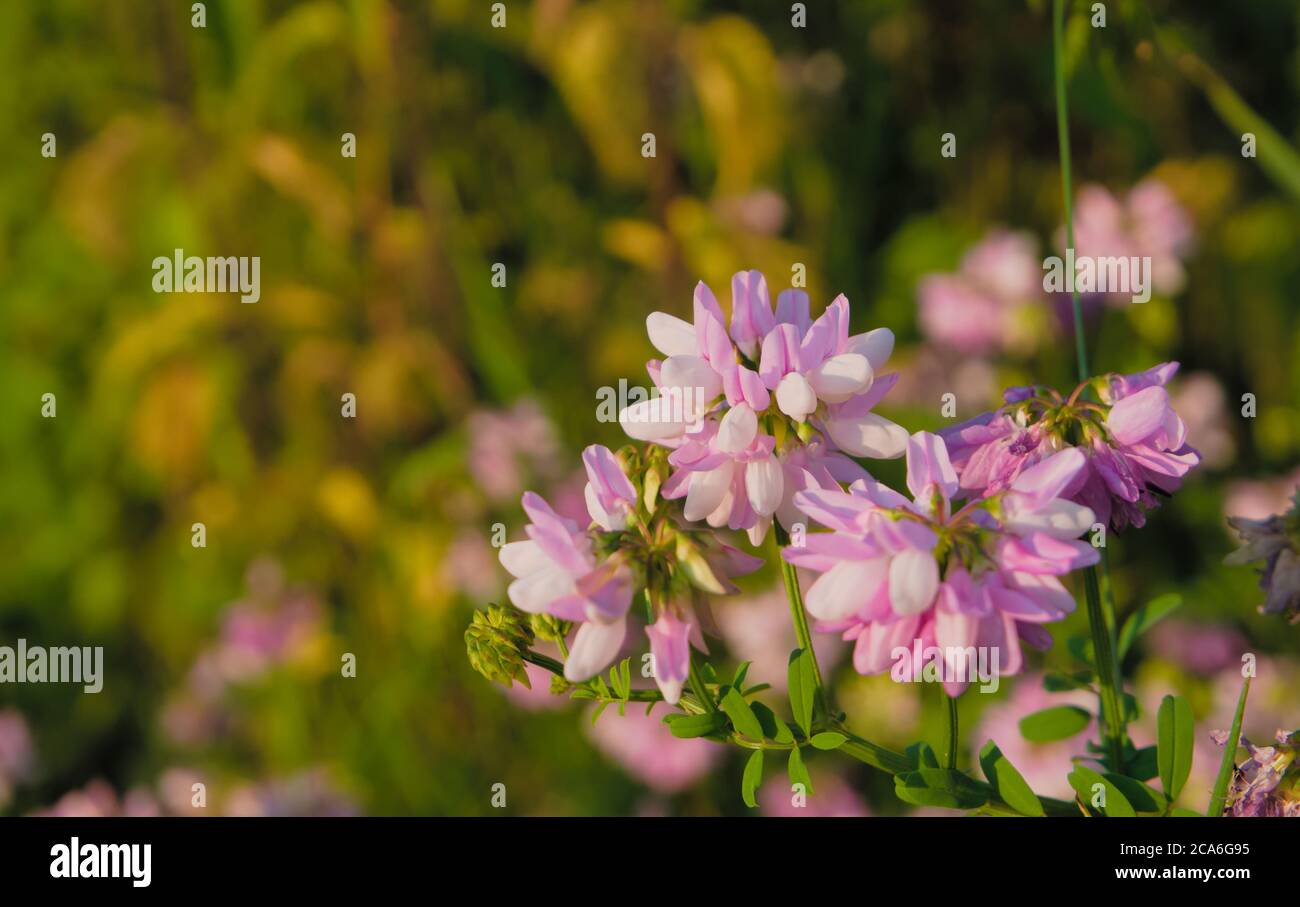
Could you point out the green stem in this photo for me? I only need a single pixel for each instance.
(952, 732)
(1220, 794)
(1100, 616)
(797, 613)
(1112, 709)
(1063, 140)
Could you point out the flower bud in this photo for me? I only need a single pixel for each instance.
(495, 641)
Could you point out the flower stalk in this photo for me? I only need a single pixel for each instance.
(1100, 622)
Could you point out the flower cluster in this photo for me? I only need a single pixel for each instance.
(589, 576)
(1268, 783)
(778, 401)
(896, 571)
(1135, 444)
(760, 418)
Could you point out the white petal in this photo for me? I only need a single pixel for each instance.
(758, 531)
(706, 491)
(913, 581)
(737, 429)
(671, 335)
(535, 592)
(1057, 517)
(595, 647)
(764, 484)
(841, 377)
(868, 435)
(523, 558)
(876, 345)
(845, 588)
(645, 421)
(795, 397)
(693, 374)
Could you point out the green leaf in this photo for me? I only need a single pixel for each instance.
(1009, 784)
(1219, 795)
(802, 688)
(1144, 799)
(1174, 738)
(1143, 764)
(1081, 648)
(1056, 723)
(1083, 780)
(742, 717)
(687, 726)
(828, 740)
(766, 718)
(752, 778)
(1184, 813)
(938, 787)
(921, 755)
(1059, 683)
(738, 679)
(797, 771)
(1145, 617)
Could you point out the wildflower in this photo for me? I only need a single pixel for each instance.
(981, 309)
(737, 406)
(1136, 444)
(1276, 542)
(1148, 223)
(896, 571)
(590, 576)
(1268, 783)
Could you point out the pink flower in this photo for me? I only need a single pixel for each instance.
(611, 498)
(737, 406)
(557, 573)
(1136, 444)
(1149, 223)
(561, 571)
(979, 309)
(896, 571)
(644, 746)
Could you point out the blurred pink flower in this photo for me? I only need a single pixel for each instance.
(1043, 765)
(507, 448)
(470, 566)
(99, 799)
(1258, 499)
(1150, 222)
(647, 750)
(1203, 649)
(308, 793)
(832, 798)
(978, 310)
(757, 629)
(1201, 401)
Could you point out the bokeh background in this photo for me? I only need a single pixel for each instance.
(522, 145)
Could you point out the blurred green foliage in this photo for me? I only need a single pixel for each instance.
(522, 145)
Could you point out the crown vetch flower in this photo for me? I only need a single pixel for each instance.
(895, 571)
(1268, 783)
(744, 404)
(1136, 444)
(589, 577)
(1276, 542)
